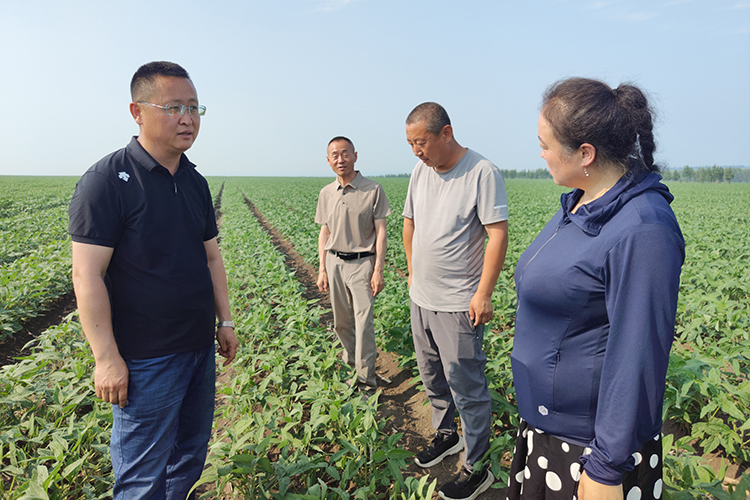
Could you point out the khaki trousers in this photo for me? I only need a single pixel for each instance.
(352, 303)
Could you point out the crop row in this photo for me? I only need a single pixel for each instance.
(34, 247)
(280, 439)
(708, 393)
(54, 433)
(296, 426)
(22, 195)
(24, 233)
(31, 284)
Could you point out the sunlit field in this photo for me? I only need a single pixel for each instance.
(286, 431)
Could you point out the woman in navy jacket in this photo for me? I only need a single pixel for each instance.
(597, 298)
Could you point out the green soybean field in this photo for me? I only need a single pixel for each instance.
(287, 426)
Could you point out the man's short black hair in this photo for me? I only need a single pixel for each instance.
(432, 114)
(141, 85)
(342, 138)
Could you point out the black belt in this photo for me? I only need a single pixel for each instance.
(351, 256)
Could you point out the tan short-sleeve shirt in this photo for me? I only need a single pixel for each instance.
(350, 213)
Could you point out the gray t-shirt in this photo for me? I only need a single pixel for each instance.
(450, 211)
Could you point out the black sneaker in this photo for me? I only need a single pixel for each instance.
(467, 485)
(366, 392)
(440, 448)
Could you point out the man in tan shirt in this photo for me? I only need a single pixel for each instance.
(351, 247)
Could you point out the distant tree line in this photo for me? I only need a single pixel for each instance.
(685, 174)
(540, 173)
(708, 174)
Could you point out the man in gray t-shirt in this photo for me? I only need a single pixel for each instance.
(456, 198)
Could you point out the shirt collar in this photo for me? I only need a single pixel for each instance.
(147, 161)
(592, 216)
(354, 183)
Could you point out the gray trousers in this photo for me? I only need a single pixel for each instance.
(352, 303)
(452, 363)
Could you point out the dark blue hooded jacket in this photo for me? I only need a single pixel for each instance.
(597, 298)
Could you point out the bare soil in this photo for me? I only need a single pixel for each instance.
(402, 404)
(13, 347)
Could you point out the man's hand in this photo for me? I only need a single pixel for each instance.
(377, 282)
(480, 309)
(323, 280)
(322, 253)
(111, 381)
(588, 489)
(228, 343)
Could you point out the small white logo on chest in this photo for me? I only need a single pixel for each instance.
(124, 176)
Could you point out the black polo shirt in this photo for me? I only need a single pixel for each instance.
(158, 279)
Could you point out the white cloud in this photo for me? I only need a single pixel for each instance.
(740, 6)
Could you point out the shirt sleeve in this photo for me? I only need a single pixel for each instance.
(94, 211)
(320, 212)
(409, 202)
(212, 229)
(382, 209)
(492, 199)
(642, 279)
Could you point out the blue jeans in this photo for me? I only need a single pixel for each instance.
(160, 439)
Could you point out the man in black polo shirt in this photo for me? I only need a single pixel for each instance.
(150, 283)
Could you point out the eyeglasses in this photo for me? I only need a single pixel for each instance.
(174, 109)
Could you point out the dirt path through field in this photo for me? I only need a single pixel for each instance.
(401, 402)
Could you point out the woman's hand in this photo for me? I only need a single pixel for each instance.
(588, 489)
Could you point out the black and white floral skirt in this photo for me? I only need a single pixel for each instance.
(546, 467)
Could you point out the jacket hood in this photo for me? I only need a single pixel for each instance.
(592, 216)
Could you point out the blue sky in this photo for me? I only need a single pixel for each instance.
(280, 78)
